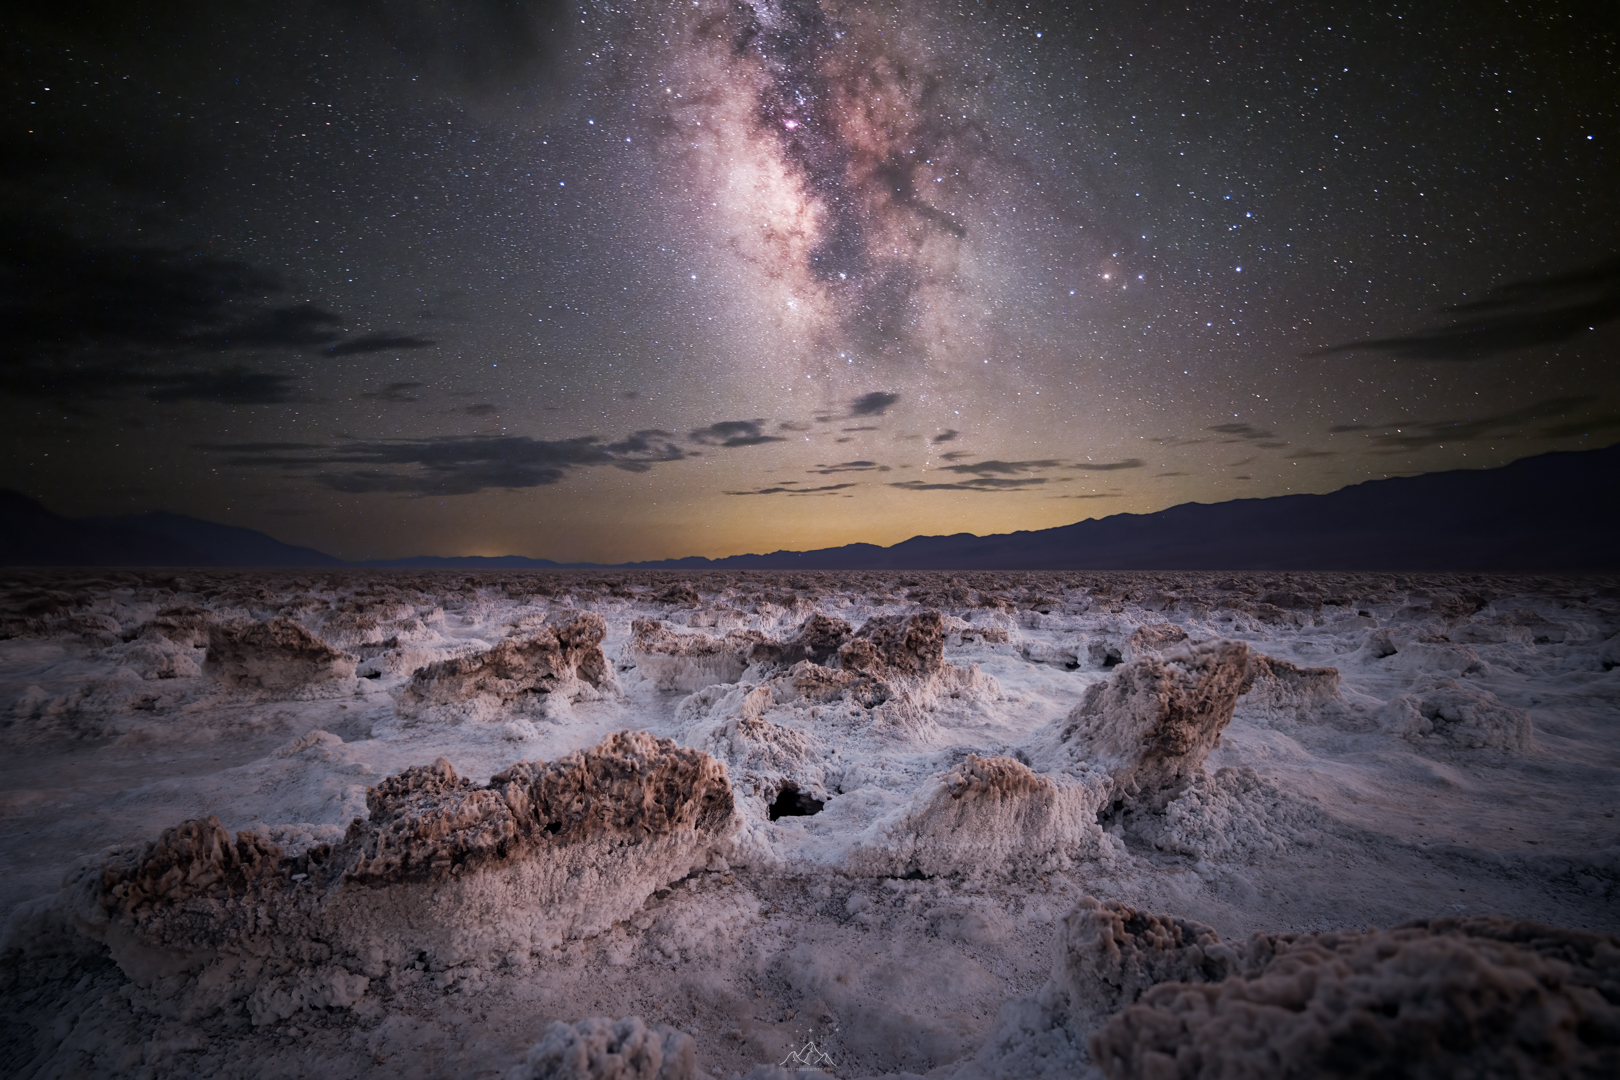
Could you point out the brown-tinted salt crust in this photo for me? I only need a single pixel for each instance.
(1441, 997)
(553, 658)
(890, 645)
(273, 654)
(1152, 724)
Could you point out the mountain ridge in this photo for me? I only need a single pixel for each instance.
(1555, 511)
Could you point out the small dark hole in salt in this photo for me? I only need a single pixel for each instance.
(553, 827)
(791, 802)
(1112, 660)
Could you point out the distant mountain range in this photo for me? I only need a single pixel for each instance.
(1558, 511)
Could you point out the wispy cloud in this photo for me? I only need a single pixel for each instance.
(1236, 433)
(1416, 434)
(1519, 315)
(395, 392)
(1109, 466)
(1003, 468)
(874, 404)
(453, 465)
(90, 320)
(848, 466)
(982, 483)
(734, 433)
(794, 491)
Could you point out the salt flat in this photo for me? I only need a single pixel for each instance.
(862, 807)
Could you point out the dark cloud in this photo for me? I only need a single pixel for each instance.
(1519, 315)
(261, 447)
(956, 455)
(948, 435)
(866, 428)
(1415, 434)
(370, 343)
(1159, 474)
(848, 466)
(874, 404)
(1098, 496)
(631, 395)
(788, 425)
(1109, 466)
(784, 490)
(1247, 433)
(1008, 468)
(482, 409)
(87, 320)
(454, 465)
(734, 433)
(396, 392)
(1573, 428)
(230, 386)
(482, 47)
(982, 483)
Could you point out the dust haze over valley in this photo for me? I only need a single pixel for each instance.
(969, 825)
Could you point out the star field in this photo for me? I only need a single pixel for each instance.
(645, 280)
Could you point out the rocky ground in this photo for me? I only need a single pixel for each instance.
(646, 824)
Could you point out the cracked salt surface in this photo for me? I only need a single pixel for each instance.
(1339, 751)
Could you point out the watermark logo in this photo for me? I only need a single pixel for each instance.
(809, 1056)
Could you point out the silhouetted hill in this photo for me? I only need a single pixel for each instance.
(31, 535)
(474, 562)
(1558, 511)
(225, 545)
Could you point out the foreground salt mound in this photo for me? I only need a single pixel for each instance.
(1140, 739)
(1441, 997)
(987, 814)
(563, 660)
(691, 661)
(278, 654)
(892, 671)
(1152, 724)
(600, 1049)
(444, 872)
(1440, 710)
(1282, 691)
(899, 661)
(1141, 995)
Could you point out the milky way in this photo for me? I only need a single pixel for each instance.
(656, 279)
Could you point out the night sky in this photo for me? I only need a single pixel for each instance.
(653, 279)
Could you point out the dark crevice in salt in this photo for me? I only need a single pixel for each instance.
(791, 802)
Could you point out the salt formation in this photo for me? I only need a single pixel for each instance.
(853, 807)
(553, 660)
(443, 869)
(689, 661)
(278, 654)
(1140, 995)
(1443, 710)
(599, 1049)
(1152, 724)
(1441, 997)
(985, 815)
(1282, 691)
